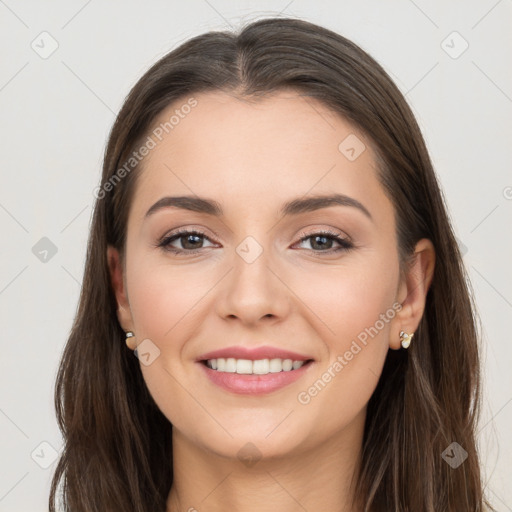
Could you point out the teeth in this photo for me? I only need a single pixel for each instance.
(230, 365)
(260, 366)
(249, 367)
(243, 366)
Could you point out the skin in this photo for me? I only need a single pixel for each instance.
(252, 157)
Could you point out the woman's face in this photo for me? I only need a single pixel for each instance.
(258, 277)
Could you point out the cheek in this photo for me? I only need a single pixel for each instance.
(165, 303)
(354, 308)
(162, 298)
(349, 300)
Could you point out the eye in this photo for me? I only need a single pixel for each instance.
(324, 240)
(189, 240)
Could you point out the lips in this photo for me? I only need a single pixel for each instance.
(258, 381)
(263, 352)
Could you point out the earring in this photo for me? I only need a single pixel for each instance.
(129, 335)
(405, 339)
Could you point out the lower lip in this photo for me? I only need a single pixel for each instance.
(254, 384)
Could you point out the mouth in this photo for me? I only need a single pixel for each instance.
(254, 371)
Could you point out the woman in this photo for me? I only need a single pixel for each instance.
(270, 240)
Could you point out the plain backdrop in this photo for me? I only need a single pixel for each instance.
(65, 69)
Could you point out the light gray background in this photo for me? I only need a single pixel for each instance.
(56, 113)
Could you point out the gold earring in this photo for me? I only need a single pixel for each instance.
(405, 339)
(129, 335)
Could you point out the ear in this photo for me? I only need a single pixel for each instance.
(412, 291)
(119, 287)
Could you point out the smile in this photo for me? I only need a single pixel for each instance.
(257, 367)
(252, 371)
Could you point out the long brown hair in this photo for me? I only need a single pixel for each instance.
(118, 451)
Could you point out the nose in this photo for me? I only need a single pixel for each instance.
(253, 291)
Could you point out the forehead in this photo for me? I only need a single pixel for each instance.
(281, 145)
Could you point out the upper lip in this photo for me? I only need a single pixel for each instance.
(263, 352)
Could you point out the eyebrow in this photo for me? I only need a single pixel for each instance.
(294, 207)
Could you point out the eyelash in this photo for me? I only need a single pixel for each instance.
(164, 243)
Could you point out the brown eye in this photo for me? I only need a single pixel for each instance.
(323, 242)
(190, 241)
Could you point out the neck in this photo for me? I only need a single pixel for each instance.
(317, 479)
